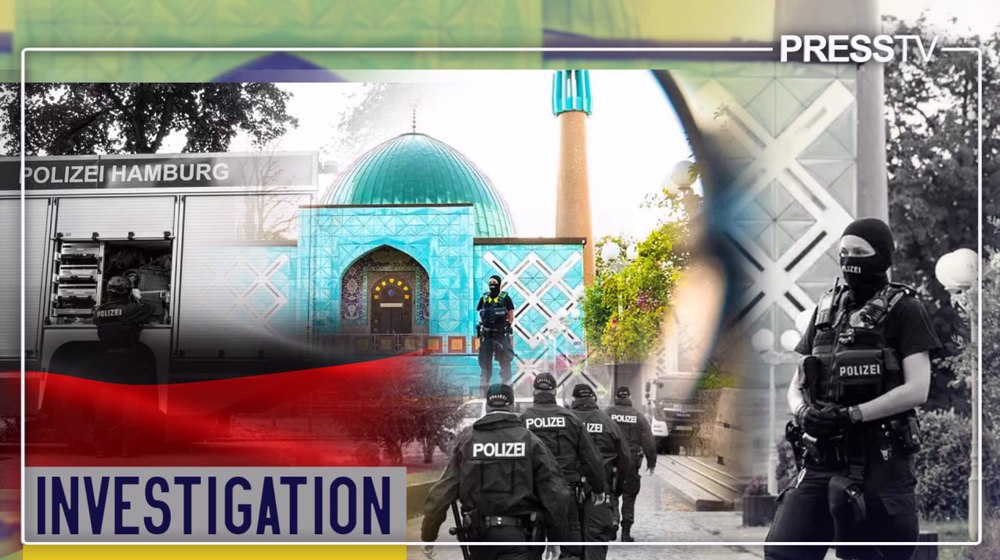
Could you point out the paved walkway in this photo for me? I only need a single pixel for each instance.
(661, 516)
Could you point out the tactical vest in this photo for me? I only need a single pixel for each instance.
(116, 325)
(493, 313)
(600, 432)
(857, 363)
(554, 426)
(496, 472)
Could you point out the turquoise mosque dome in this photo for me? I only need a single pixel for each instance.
(415, 168)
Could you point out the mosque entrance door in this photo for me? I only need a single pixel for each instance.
(392, 306)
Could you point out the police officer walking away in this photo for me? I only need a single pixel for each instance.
(508, 484)
(599, 516)
(866, 367)
(119, 322)
(495, 330)
(640, 442)
(578, 458)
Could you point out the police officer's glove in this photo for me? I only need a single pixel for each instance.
(840, 416)
(428, 550)
(824, 422)
(650, 471)
(508, 329)
(814, 421)
(551, 552)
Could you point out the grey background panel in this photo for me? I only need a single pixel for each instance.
(10, 275)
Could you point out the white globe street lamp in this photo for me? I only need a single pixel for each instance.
(610, 252)
(762, 340)
(790, 339)
(683, 175)
(958, 271)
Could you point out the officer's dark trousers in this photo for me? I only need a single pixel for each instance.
(500, 348)
(598, 525)
(575, 527)
(804, 516)
(512, 552)
(630, 489)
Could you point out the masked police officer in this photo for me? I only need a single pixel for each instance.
(579, 460)
(508, 484)
(119, 322)
(640, 442)
(598, 515)
(495, 330)
(866, 367)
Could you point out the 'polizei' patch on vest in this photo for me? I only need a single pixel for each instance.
(595, 428)
(861, 370)
(541, 423)
(109, 312)
(499, 449)
(624, 418)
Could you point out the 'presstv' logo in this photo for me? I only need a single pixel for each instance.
(856, 49)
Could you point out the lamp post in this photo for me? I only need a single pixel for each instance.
(763, 342)
(958, 271)
(684, 174)
(611, 254)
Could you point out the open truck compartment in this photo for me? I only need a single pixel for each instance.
(82, 270)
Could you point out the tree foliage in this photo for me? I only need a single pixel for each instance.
(642, 288)
(932, 118)
(135, 118)
(420, 405)
(990, 402)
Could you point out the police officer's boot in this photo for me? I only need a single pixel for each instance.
(626, 532)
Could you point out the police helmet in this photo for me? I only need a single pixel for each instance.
(623, 392)
(119, 286)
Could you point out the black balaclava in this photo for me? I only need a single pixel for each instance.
(866, 275)
(494, 290)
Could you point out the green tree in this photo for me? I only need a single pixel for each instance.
(643, 288)
(931, 111)
(10, 119)
(135, 118)
(990, 343)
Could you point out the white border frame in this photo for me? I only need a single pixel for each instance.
(979, 324)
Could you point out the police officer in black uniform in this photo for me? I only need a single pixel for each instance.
(495, 330)
(508, 484)
(119, 322)
(866, 367)
(640, 442)
(598, 515)
(578, 458)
